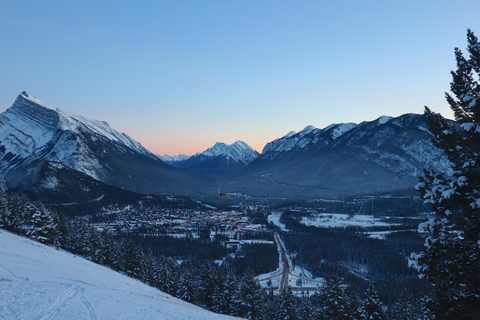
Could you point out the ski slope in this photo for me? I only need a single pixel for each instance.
(40, 282)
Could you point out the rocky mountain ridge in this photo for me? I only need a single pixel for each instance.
(31, 132)
(380, 156)
(219, 159)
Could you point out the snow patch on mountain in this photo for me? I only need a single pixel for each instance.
(384, 119)
(291, 133)
(307, 130)
(341, 129)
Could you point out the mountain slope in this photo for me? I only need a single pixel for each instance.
(40, 282)
(385, 155)
(76, 193)
(219, 159)
(30, 132)
(303, 139)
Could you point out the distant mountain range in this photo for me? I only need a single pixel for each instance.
(380, 156)
(171, 159)
(217, 160)
(384, 155)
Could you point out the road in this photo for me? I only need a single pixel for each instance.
(283, 286)
(285, 276)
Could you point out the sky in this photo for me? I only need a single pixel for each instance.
(179, 76)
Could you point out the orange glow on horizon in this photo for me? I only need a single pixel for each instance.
(173, 148)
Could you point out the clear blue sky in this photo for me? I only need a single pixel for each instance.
(179, 76)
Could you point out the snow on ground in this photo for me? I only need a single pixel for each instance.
(381, 235)
(299, 279)
(275, 219)
(327, 220)
(40, 282)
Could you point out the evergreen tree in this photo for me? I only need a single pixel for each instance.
(403, 308)
(13, 213)
(134, 264)
(372, 307)
(306, 309)
(231, 294)
(250, 296)
(172, 270)
(218, 297)
(150, 276)
(355, 307)
(78, 238)
(3, 208)
(97, 248)
(334, 301)
(205, 287)
(270, 307)
(186, 286)
(424, 310)
(287, 306)
(113, 253)
(37, 223)
(451, 259)
(161, 274)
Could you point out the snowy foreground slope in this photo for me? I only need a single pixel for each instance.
(40, 282)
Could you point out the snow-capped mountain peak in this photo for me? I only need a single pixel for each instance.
(218, 149)
(307, 130)
(26, 126)
(171, 159)
(37, 120)
(33, 99)
(31, 131)
(238, 151)
(309, 135)
(222, 149)
(219, 159)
